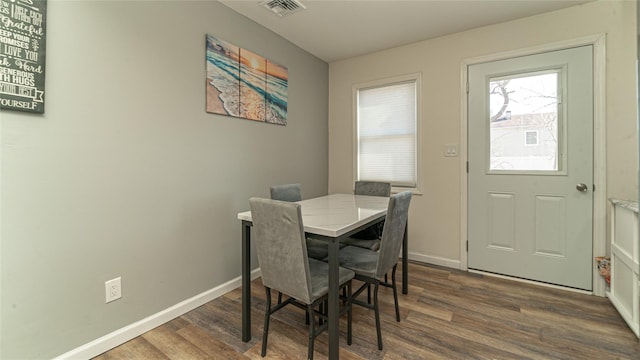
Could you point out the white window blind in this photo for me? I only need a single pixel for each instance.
(386, 131)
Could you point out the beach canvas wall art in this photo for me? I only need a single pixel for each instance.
(243, 84)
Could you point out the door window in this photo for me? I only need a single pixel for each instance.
(524, 123)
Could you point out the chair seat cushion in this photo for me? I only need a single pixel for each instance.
(373, 245)
(362, 261)
(319, 271)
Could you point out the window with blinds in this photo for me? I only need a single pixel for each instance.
(387, 141)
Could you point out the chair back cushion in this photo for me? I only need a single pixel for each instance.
(281, 247)
(373, 188)
(393, 232)
(287, 192)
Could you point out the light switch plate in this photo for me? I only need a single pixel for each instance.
(451, 150)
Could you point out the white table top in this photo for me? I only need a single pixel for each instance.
(337, 214)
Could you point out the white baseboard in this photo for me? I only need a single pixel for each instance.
(122, 335)
(434, 260)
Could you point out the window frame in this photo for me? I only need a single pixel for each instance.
(415, 78)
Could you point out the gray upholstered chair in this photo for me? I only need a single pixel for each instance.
(371, 266)
(317, 249)
(285, 266)
(286, 192)
(369, 238)
(372, 188)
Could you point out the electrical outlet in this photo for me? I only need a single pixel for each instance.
(113, 289)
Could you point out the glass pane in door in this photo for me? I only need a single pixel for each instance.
(523, 123)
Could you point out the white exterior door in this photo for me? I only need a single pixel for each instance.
(530, 182)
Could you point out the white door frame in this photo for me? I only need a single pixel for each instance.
(599, 141)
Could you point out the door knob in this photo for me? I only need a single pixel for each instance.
(582, 187)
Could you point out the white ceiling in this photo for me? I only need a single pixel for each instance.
(338, 29)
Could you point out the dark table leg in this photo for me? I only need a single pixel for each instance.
(405, 259)
(246, 281)
(334, 344)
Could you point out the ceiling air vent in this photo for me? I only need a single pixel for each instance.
(283, 7)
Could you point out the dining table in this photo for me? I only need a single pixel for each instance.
(330, 218)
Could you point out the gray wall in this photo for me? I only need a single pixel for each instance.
(126, 174)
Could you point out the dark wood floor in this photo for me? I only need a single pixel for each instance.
(448, 314)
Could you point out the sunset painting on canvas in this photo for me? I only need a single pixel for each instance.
(243, 84)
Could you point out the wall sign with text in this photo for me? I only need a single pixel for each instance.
(22, 54)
